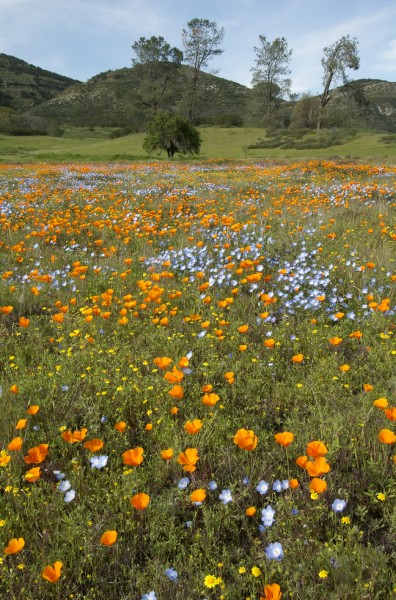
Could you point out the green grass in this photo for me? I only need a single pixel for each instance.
(106, 268)
(82, 144)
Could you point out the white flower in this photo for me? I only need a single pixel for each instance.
(64, 485)
(98, 462)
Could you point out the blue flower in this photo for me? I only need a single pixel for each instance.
(262, 487)
(225, 496)
(267, 516)
(69, 496)
(64, 485)
(149, 596)
(212, 485)
(98, 462)
(59, 475)
(338, 505)
(274, 551)
(245, 481)
(277, 486)
(183, 483)
(171, 574)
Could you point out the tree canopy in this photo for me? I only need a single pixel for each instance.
(338, 57)
(161, 63)
(272, 64)
(201, 42)
(173, 133)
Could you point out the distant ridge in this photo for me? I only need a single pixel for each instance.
(24, 86)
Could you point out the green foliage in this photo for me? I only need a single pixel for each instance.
(304, 139)
(272, 60)
(172, 133)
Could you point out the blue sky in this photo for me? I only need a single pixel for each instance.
(81, 38)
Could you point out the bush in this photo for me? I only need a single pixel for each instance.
(172, 133)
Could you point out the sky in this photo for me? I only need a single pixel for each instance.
(81, 38)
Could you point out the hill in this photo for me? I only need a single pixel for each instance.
(112, 99)
(24, 86)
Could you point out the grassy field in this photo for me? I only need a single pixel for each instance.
(197, 379)
(79, 144)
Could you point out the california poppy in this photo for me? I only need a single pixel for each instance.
(120, 426)
(94, 445)
(386, 436)
(210, 399)
(108, 538)
(37, 454)
(317, 485)
(33, 474)
(198, 495)
(315, 449)
(285, 438)
(193, 427)
(188, 459)
(140, 501)
(167, 454)
(33, 409)
(272, 592)
(14, 546)
(176, 392)
(318, 466)
(297, 358)
(15, 444)
(245, 439)
(133, 457)
(52, 573)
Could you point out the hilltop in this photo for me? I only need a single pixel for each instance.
(24, 86)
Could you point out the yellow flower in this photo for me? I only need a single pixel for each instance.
(256, 572)
(211, 581)
(242, 570)
(323, 574)
(346, 520)
(314, 496)
(381, 497)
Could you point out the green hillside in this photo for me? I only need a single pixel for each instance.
(112, 99)
(24, 86)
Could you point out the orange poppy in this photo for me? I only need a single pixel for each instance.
(293, 483)
(285, 438)
(272, 592)
(245, 439)
(94, 445)
(386, 436)
(52, 573)
(75, 436)
(108, 538)
(198, 495)
(390, 413)
(163, 362)
(193, 427)
(14, 546)
(243, 328)
(297, 358)
(33, 409)
(140, 501)
(14, 388)
(381, 403)
(210, 399)
(37, 454)
(250, 511)
(301, 461)
(4, 458)
(315, 449)
(23, 322)
(174, 376)
(317, 485)
(15, 444)
(133, 457)
(176, 392)
(33, 474)
(335, 341)
(188, 459)
(344, 368)
(269, 343)
(120, 426)
(318, 466)
(167, 454)
(21, 424)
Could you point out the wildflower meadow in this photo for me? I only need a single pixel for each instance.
(198, 382)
